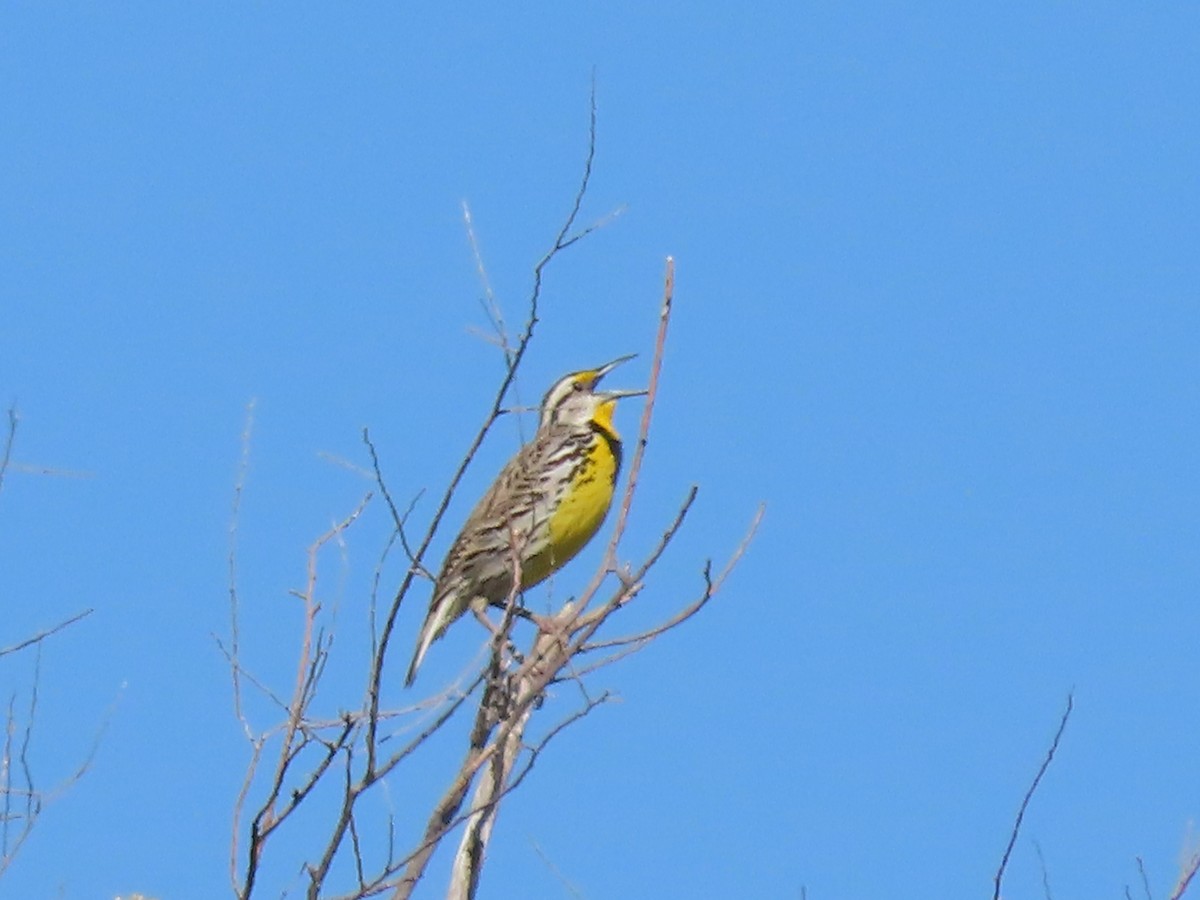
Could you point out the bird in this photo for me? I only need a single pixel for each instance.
(548, 501)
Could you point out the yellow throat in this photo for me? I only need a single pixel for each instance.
(585, 501)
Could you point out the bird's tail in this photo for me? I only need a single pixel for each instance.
(435, 624)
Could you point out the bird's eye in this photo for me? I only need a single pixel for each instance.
(577, 386)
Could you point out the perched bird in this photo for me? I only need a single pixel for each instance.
(543, 507)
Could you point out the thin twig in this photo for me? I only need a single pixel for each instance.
(1012, 839)
(1045, 873)
(376, 674)
(42, 635)
(254, 682)
(239, 486)
(35, 800)
(6, 455)
(239, 804)
(468, 861)
(27, 739)
(447, 712)
(399, 520)
(561, 241)
(491, 307)
(633, 643)
(497, 759)
(495, 315)
(575, 619)
(375, 767)
(1141, 865)
(639, 451)
(7, 793)
(554, 870)
(1185, 878)
(295, 737)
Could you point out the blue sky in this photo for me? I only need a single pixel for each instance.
(937, 305)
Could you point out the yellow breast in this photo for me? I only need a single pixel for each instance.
(579, 513)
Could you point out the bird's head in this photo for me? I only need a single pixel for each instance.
(576, 399)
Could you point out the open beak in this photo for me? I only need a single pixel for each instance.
(605, 369)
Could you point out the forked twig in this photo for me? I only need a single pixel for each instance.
(497, 757)
(711, 587)
(34, 799)
(295, 734)
(375, 765)
(561, 637)
(561, 242)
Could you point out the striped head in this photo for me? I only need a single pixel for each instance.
(575, 402)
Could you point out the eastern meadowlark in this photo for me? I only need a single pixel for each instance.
(543, 507)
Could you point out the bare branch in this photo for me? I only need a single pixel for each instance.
(254, 682)
(559, 639)
(639, 451)
(496, 759)
(537, 749)
(399, 520)
(42, 635)
(447, 712)
(710, 586)
(22, 801)
(239, 486)
(633, 643)
(1012, 839)
(513, 363)
(571, 619)
(342, 463)
(295, 735)
(6, 462)
(561, 241)
(374, 765)
(351, 753)
(500, 336)
(444, 817)
(319, 872)
(490, 307)
(34, 799)
(1185, 878)
(566, 883)
(10, 438)
(1045, 873)
(239, 804)
(1145, 878)
(468, 861)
